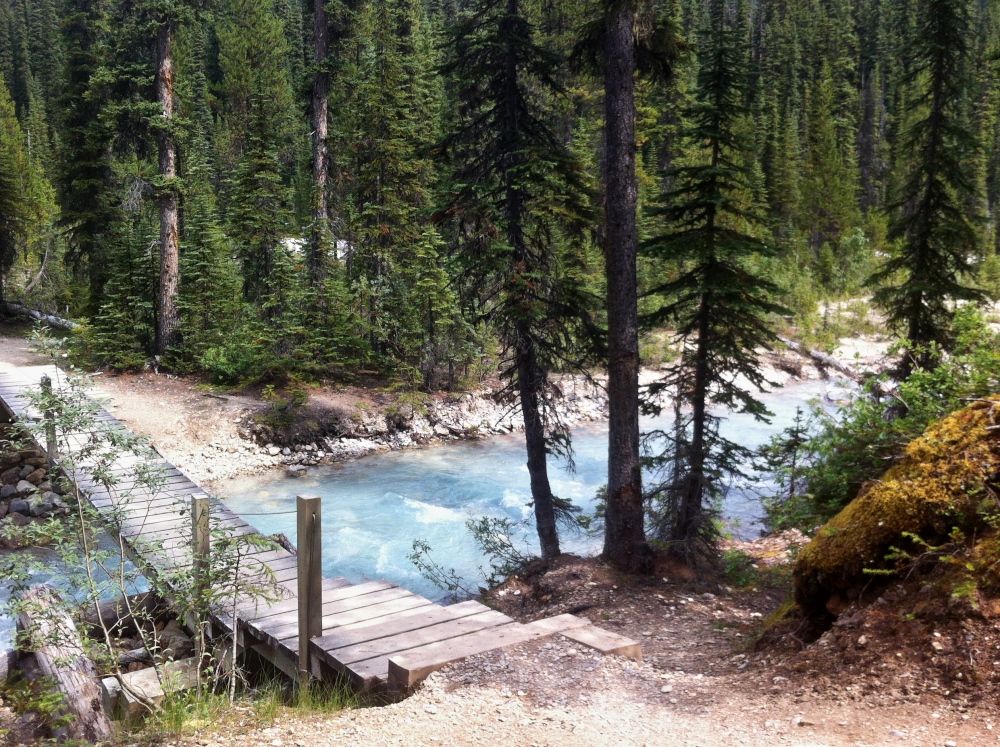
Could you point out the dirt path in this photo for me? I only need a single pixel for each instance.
(697, 687)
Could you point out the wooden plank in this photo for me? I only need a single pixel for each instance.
(606, 642)
(411, 639)
(375, 614)
(279, 627)
(289, 605)
(408, 668)
(351, 634)
(333, 595)
(370, 672)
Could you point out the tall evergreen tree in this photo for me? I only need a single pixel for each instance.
(931, 220)
(718, 304)
(618, 45)
(11, 162)
(259, 99)
(320, 243)
(522, 208)
(83, 173)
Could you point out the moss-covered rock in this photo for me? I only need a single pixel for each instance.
(943, 483)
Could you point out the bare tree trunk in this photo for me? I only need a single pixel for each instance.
(319, 244)
(625, 539)
(168, 318)
(529, 382)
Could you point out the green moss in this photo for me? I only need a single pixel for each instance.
(937, 486)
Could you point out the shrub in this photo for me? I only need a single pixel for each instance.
(841, 451)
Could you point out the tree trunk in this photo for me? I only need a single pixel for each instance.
(529, 381)
(625, 539)
(687, 526)
(319, 244)
(60, 655)
(168, 319)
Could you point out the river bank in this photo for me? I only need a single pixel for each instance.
(213, 435)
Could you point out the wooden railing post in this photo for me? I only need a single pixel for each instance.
(50, 423)
(201, 557)
(201, 538)
(310, 555)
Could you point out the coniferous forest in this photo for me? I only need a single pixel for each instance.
(440, 190)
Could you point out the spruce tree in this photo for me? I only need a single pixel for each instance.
(11, 206)
(259, 101)
(718, 304)
(937, 242)
(83, 174)
(522, 207)
(618, 44)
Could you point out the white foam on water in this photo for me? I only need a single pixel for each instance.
(428, 513)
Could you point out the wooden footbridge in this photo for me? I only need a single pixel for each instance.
(377, 634)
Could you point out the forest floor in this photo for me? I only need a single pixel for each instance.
(703, 682)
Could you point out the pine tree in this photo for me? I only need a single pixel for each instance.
(391, 180)
(718, 303)
(259, 100)
(209, 299)
(83, 173)
(522, 206)
(931, 220)
(11, 206)
(612, 46)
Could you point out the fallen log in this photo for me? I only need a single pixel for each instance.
(48, 630)
(821, 359)
(16, 309)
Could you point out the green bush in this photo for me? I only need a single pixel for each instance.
(836, 453)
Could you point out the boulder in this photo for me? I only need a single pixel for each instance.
(933, 491)
(10, 476)
(7, 491)
(54, 498)
(25, 471)
(19, 506)
(17, 519)
(3, 510)
(40, 507)
(36, 477)
(25, 488)
(9, 460)
(35, 462)
(174, 642)
(45, 485)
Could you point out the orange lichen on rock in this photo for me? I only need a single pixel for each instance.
(942, 484)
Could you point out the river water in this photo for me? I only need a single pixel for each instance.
(374, 508)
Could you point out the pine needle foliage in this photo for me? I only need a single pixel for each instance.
(520, 207)
(933, 213)
(718, 304)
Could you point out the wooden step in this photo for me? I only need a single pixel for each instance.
(409, 668)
